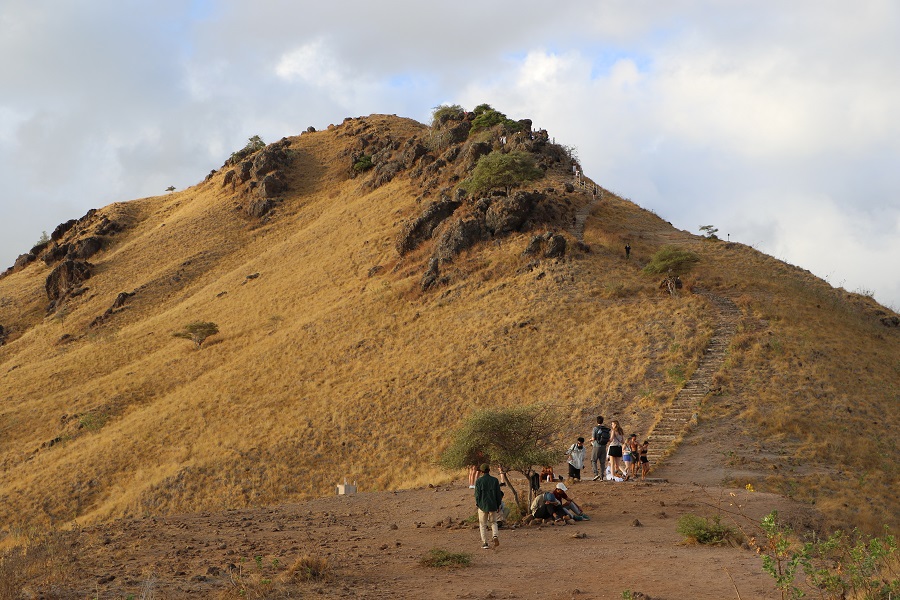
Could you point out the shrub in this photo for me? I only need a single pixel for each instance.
(486, 117)
(197, 332)
(707, 531)
(671, 259)
(310, 568)
(442, 558)
(505, 170)
(446, 112)
(363, 164)
(254, 144)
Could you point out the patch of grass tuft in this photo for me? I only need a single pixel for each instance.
(710, 532)
(442, 558)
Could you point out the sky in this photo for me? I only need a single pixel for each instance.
(776, 122)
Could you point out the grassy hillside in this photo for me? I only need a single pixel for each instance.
(333, 363)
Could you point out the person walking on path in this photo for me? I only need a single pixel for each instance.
(488, 497)
(616, 441)
(599, 439)
(576, 459)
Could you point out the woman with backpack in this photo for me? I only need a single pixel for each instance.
(616, 441)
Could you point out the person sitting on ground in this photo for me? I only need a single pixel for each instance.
(547, 506)
(568, 505)
(547, 474)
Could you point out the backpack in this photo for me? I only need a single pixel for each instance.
(603, 435)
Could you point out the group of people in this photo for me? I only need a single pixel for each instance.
(613, 456)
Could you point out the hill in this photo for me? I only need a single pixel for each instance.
(366, 307)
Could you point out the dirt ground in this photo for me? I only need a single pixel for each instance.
(374, 542)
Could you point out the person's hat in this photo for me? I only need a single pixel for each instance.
(485, 468)
(561, 486)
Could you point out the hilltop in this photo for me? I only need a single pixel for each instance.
(366, 306)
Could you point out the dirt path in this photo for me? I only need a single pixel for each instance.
(375, 541)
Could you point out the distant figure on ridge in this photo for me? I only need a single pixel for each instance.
(627, 251)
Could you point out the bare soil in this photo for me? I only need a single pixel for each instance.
(374, 542)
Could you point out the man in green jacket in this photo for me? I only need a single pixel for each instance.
(488, 496)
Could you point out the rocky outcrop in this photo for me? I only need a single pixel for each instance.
(85, 248)
(260, 178)
(509, 214)
(3, 335)
(461, 234)
(64, 279)
(422, 227)
(117, 305)
(549, 245)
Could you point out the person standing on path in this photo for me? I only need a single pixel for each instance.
(576, 459)
(599, 439)
(616, 441)
(488, 497)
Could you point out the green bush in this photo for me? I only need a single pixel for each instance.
(671, 258)
(707, 531)
(254, 144)
(197, 332)
(486, 117)
(446, 112)
(505, 170)
(363, 164)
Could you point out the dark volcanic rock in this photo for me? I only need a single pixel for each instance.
(3, 335)
(432, 275)
(461, 234)
(508, 214)
(245, 170)
(66, 276)
(270, 158)
(420, 229)
(62, 229)
(86, 248)
(272, 185)
(259, 207)
(56, 252)
(556, 247)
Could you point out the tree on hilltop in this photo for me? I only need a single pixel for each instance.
(499, 169)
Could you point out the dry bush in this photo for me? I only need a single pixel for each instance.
(43, 563)
(310, 568)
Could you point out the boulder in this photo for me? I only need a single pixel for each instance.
(508, 214)
(270, 158)
(556, 247)
(66, 276)
(272, 185)
(108, 226)
(432, 275)
(421, 228)
(461, 234)
(3, 335)
(86, 248)
(22, 261)
(259, 207)
(245, 171)
(229, 178)
(62, 229)
(56, 252)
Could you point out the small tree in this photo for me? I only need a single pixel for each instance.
(709, 232)
(505, 170)
(197, 332)
(516, 439)
(671, 260)
(254, 144)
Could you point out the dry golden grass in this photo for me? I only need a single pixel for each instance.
(322, 371)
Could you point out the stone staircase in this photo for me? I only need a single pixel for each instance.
(677, 416)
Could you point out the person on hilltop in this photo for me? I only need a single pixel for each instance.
(488, 497)
(616, 441)
(599, 439)
(576, 459)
